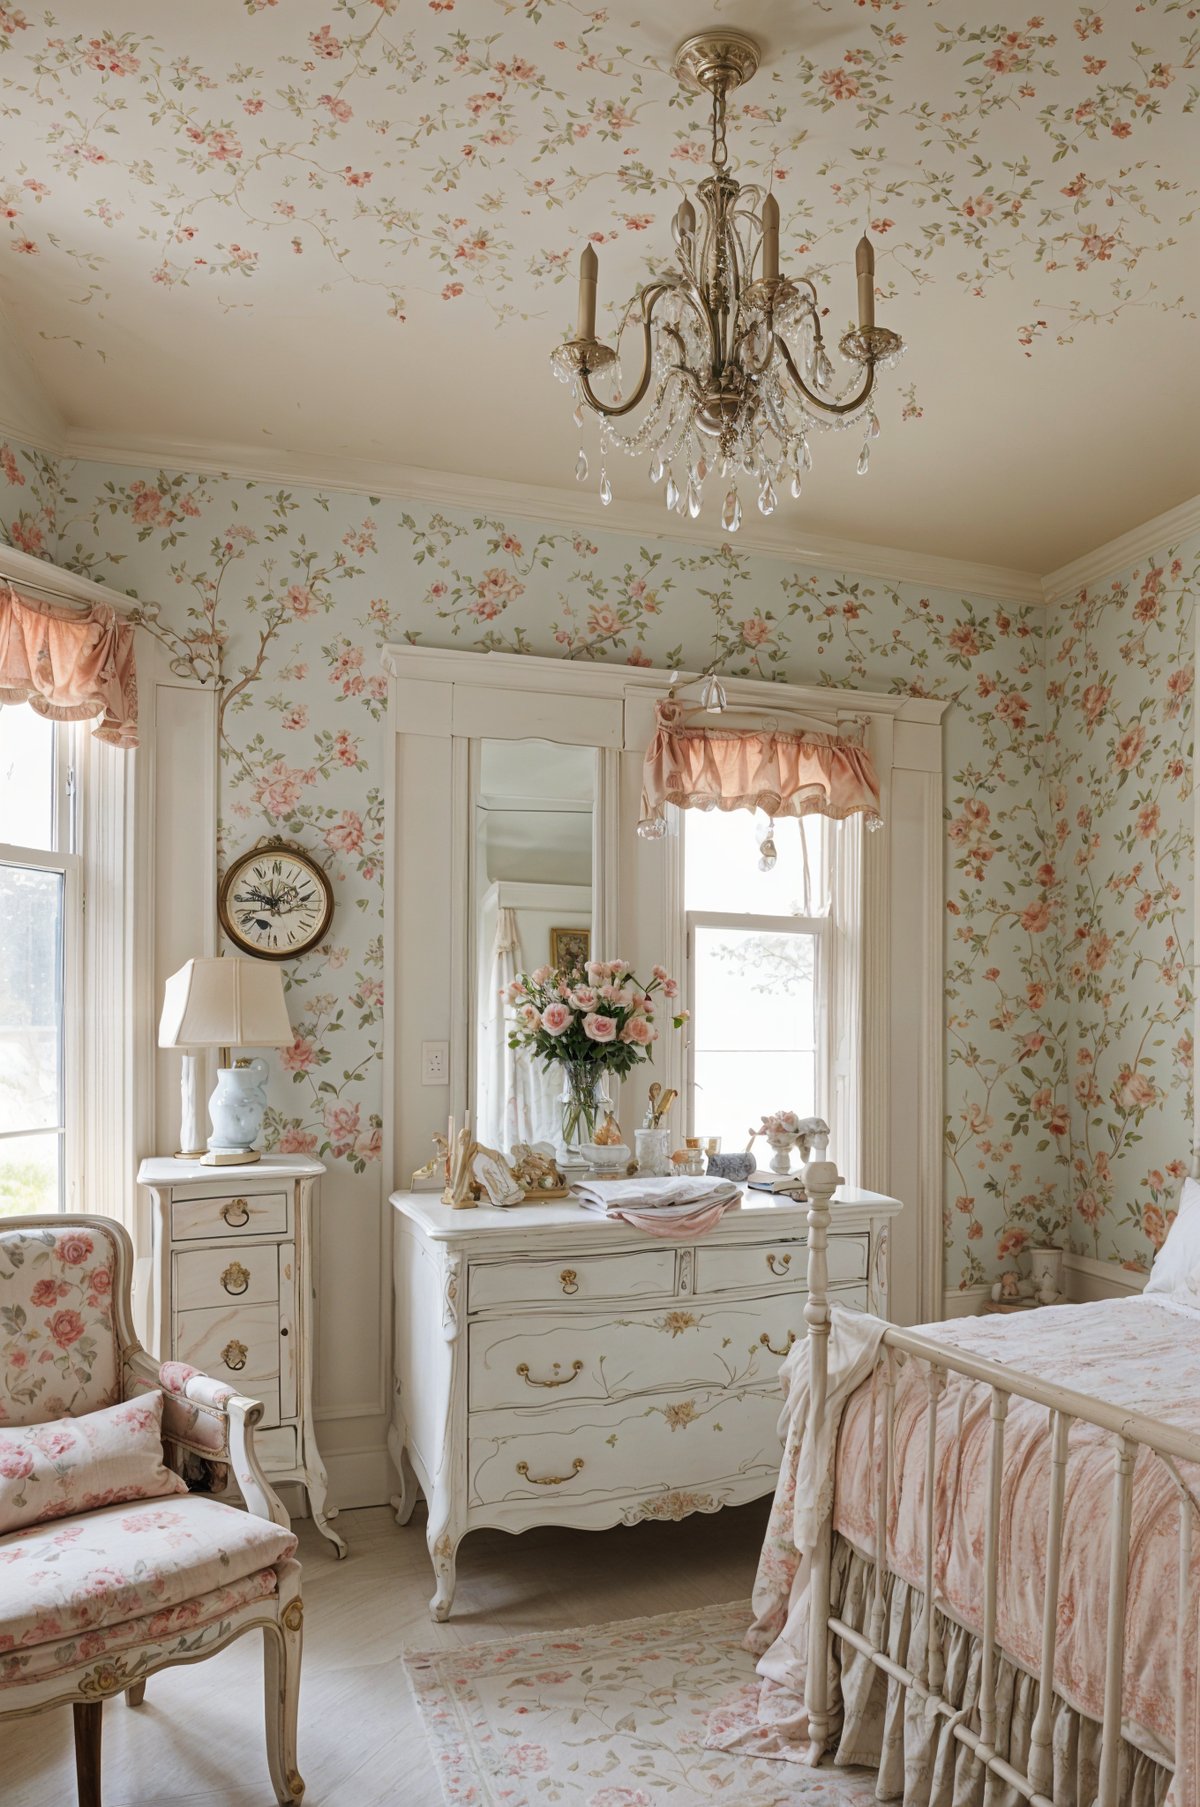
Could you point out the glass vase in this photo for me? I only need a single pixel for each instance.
(584, 1103)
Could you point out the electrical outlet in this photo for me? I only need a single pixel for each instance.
(435, 1063)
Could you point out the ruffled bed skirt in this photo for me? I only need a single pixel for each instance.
(879, 1725)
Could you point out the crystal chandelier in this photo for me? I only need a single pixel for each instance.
(732, 351)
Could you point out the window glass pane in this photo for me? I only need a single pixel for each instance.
(754, 1027)
(29, 1174)
(720, 864)
(26, 777)
(31, 975)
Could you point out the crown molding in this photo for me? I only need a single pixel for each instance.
(445, 489)
(26, 572)
(1161, 530)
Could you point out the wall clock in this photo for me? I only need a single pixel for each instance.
(275, 902)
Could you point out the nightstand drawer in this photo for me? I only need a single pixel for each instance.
(236, 1343)
(246, 1272)
(765, 1264)
(243, 1213)
(581, 1278)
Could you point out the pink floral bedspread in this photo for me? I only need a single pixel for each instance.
(1137, 1353)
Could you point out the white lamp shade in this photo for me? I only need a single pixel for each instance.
(225, 1004)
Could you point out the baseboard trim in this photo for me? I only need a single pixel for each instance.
(357, 1477)
(1089, 1279)
(965, 1304)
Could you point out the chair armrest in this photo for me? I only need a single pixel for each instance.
(209, 1419)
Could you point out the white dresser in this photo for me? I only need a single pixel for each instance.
(234, 1285)
(555, 1368)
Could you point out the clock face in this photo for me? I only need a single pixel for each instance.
(275, 903)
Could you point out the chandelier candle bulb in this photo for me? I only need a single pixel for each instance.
(686, 219)
(589, 269)
(864, 264)
(770, 239)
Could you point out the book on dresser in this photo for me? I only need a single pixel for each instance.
(233, 1278)
(555, 1366)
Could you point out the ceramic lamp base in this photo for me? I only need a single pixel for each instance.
(229, 1157)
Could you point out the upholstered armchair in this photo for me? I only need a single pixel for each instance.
(96, 1596)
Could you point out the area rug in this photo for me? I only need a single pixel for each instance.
(607, 1716)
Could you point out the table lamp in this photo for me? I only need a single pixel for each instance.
(224, 1003)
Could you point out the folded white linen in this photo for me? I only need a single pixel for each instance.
(663, 1195)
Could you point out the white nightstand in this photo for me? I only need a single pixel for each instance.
(234, 1282)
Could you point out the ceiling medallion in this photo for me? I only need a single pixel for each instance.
(734, 351)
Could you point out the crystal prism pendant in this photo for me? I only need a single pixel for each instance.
(605, 489)
(806, 454)
(873, 427)
(672, 490)
(693, 498)
(581, 467)
(767, 498)
(731, 514)
(796, 485)
(656, 469)
(701, 468)
(577, 417)
(864, 459)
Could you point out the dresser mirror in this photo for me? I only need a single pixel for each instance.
(533, 829)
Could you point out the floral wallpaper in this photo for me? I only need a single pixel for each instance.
(289, 594)
(1120, 669)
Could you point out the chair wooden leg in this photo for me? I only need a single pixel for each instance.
(281, 1675)
(136, 1695)
(89, 1720)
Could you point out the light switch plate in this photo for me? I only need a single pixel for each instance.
(435, 1063)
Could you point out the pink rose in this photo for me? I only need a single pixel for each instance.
(600, 1028)
(66, 1327)
(555, 1018)
(16, 1463)
(638, 1031)
(74, 1249)
(585, 997)
(528, 1014)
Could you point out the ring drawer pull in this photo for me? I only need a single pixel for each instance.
(783, 1261)
(236, 1278)
(570, 1282)
(549, 1480)
(766, 1342)
(562, 1380)
(227, 1212)
(234, 1355)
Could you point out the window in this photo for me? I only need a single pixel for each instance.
(40, 912)
(759, 951)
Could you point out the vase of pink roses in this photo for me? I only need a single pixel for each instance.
(591, 1022)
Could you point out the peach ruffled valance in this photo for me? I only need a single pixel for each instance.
(781, 773)
(70, 664)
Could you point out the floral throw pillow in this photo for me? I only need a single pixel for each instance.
(77, 1464)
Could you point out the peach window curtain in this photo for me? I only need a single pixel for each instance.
(781, 772)
(70, 664)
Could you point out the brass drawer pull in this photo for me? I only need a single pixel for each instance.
(549, 1480)
(560, 1380)
(570, 1281)
(228, 1209)
(766, 1342)
(236, 1278)
(784, 1262)
(234, 1355)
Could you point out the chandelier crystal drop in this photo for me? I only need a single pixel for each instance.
(733, 354)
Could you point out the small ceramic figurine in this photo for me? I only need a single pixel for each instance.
(608, 1134)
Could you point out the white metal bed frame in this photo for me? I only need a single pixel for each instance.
(1128, 1430)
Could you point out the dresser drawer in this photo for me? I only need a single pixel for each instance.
(764, 1265)
(631, 1448)
(647, 1273)
(247, 1272)
(243, 1214)
(235, 1343)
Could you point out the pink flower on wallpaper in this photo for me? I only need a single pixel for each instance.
(342, 1124)
(26, 535)
(345, 749)
(370, 1146)
(295, 718)
(10, 467)
(839, 84)
(1036, 917)
(346, 834)
(280, 786)
(756, 631)
(295, 1140)
(1133, 1091)
(603, 620)
(1129, 748)
(301, 601)
(300, 1057)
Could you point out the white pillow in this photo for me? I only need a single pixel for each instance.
(1176, 1268)
(78, 1464)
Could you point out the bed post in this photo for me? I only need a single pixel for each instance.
(821, 1178)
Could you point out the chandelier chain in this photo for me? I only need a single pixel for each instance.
(720, 151)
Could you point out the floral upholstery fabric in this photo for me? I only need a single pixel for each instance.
(63, 1579)
(79, 1464)
(58, 1349)
(122, 1653)
(193, 1406)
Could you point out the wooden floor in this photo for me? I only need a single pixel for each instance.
(198, 1740)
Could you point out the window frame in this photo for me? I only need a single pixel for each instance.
(66, 859)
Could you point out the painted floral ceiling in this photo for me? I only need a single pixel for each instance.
(352, 231)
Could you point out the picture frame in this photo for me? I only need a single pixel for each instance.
(570, 949)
